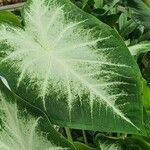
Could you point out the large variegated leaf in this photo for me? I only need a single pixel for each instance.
(21, 131)
(75, 68)
(20, 134)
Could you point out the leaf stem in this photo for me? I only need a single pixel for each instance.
(85, 138)
(12, 7)
(68, 133)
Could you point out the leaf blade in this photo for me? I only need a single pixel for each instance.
(25, 126)
(62, 69)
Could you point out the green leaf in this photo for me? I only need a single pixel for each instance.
(9, 17)
(84, 3)
(21, 131)
(98, 3)
(137, 142)
(146, 99)
(141, 11)
(145, 36)
(147, 2)
(139, 48)
(111, 5)
(128, 28)
(81, 146)
(73, 67)
(108, 143)
(110, 19)
(122, 21)
(120, 143)
(146, 95)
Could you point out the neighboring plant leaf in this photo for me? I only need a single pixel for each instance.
(106, 143)
(9, 17)
(147, 2)
(128, 28)
(145, 36)
(69, 64)
(146, 95)
(111, 5)
(146, 67)
(122, 21)
(19, 134)
(139, 48)
(141, 11)
(98, 3)
(22, 131)
(110, 19)
(137, 143)
(81, 146)
(84, 3)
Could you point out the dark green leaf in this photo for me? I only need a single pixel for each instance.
(136, 143)
(81, 146)
(129, 27)
(98, 3)
(141, 11)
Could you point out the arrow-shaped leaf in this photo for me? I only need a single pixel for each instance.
(73, 67)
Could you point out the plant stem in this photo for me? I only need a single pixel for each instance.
(130, 13)
(85, 138)
(12, 6)
(68, 133)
